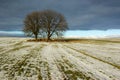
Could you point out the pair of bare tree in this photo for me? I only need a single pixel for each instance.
(47, 24)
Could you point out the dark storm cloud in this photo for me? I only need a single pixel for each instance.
(80, 14)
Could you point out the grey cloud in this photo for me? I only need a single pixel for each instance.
(80, 14)
(113, 3)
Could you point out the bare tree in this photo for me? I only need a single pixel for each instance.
(45, 23)
(32, 24)
(53, 23)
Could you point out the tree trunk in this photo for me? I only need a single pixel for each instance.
(36, 36)
(48, 35)
(48, 38)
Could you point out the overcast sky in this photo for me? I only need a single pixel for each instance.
(80, 14)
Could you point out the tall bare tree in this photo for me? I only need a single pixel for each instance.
(32, 24)
(53, 23)
(47, 23)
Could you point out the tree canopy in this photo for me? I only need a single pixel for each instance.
(46, 24)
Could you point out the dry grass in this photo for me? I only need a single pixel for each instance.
(86, 41)
(59, 59)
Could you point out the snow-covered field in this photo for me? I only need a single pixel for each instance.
(21, 60)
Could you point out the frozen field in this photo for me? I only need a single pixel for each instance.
(81, 60)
